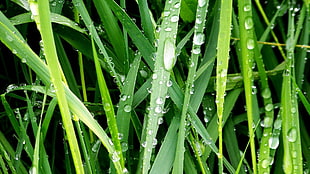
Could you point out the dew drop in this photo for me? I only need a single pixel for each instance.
(247, 7)
(9, 38)
(96, 146)
(169, 83)
(168, 29)
(127, 108)
(196, 50)
(154, 76)
(198, 38)
(14, 51)
(265, 163)
(160, 120)
(269, 107)
(154, 142)
(201, 3)
(273, 142)
(158, 109)
(248, 23)
(250, 44)
(107, 107)
(159, 101)
(143, 73)
(169, 54)
(177, 5)
(292, 135)
(267, 122)
(277, 124)
(115, 157)
(174, 19)
(166, 13)
(123, 97)
(266, 93)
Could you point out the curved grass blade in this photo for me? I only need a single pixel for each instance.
(55, 18)
(247, 43)
(11, 37)
(109, 110)
(41, 14)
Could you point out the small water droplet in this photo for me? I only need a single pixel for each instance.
(265, 163)
(247, 7)
(269, 107)
(158, 109)
(123, 97)
(124, 146)
(96, 146)
(107, 107)
(169, 83)
(267, 122)
(159, 101)
(160, 120)
(168, 29)
(250, 44)
(174, 19)
(143, 73)
(115, 157)
(154, 76)
(154, 142)
(277, 124)
(266, 93)
(166, 13)
(196, 50)
(177, 5)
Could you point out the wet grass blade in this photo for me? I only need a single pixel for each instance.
(222, 69)
(247, 43)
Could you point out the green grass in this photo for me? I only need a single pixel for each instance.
(206, 86)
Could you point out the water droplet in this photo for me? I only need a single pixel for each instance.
(248, 23)
(265, 163)
(277, 124)
(201, 3)
(269, 107)
(124, 146)
(159, 101)
(293, 110)
(107, 107)
(196, 50)
(198, 38)
(158, 109)
(267, 122)
(166, 13)
(254, 90)
(250, 44)
(154, 76)
(273, 142)
(11, 87)
(177, 5)
(266, 93)
(247, 7)
(174, 19)
(143, 144)
(14, 51)
(154, 142)
(143, 73)
(127, 108)
(169, 83)
(120, 136)
(96, 146)
(123, 97)
(292, 135)
(169, 54)
(160, 120)
(115, 157)
(24, 60)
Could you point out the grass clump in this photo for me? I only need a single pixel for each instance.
(207, 86)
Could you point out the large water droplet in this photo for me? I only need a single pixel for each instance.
(265, 163)
(127, 108)
(201, 3)
(273, 142)
(277, 124)
(169, 54)
(198, 38)
(292, 135)
(248, 23)
(267, 122)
